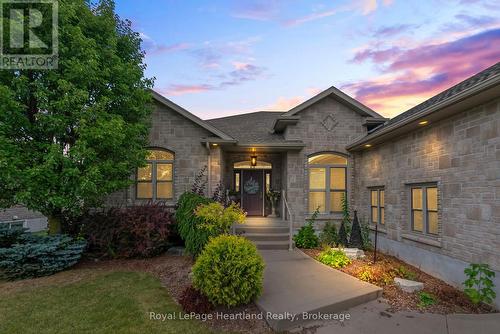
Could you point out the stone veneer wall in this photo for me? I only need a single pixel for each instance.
(461, 155)
(173, 132)
(326, 126)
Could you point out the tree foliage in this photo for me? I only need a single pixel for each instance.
(71, 135)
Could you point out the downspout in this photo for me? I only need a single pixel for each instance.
(209, 183)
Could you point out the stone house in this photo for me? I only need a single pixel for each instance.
(428, 178)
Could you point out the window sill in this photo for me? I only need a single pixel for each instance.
(423, 239)
(379, 230)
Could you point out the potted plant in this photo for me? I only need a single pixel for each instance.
(273, 196)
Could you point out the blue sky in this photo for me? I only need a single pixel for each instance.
(218, 58)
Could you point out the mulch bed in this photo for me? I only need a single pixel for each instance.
(173, 271)
(450, 299)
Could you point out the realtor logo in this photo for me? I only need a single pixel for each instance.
(28, 34)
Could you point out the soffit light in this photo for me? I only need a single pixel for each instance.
(368, 145)
(423, 122)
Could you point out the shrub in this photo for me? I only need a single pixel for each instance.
(35, 256)
(478, 285)
(365, 233)
(229, 271)
(426, 299)
(187, 222)
(404, 272)
(334, 258)
(306, 237)
(200, 182)
(356, 239)
(136, 231)
(329, 236)
(217, 219)
(9, 236)
(366, 274)
(192, 300)
(345, 226)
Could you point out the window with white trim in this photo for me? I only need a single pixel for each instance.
(424, 209)
(327, 182)
(155, 180)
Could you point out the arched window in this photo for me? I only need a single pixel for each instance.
(155, 180)
(327, 182)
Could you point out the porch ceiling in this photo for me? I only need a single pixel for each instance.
(263, 147)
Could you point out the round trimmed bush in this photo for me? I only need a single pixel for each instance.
(229, 271)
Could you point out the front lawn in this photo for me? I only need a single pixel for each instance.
(90, 301)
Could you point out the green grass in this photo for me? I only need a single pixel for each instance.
(82, 301)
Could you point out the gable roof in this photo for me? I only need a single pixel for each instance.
(255, 127)
(470, 87)
(339, 95)
(163, 100)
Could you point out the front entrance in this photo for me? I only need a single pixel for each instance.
(252, 192)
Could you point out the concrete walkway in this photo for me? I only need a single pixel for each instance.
(373, 318)
(296, 287)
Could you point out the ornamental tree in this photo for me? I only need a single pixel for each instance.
(71, 135)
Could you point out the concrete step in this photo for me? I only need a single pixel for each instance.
(266, 236)
(261, 229)
(271, 244)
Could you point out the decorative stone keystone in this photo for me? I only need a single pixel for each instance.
(407, 285)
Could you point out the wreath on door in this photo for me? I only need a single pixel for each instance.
(251, 186)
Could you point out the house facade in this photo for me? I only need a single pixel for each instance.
(429, 179)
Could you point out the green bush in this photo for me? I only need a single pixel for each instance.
(406, 273)
(217, 219)
(229, 271)
(188, 223)
(479, 285)
(9, 236)
(35, 256)
(306, 237)
(334, 258)
(426, 299)
(329, 236)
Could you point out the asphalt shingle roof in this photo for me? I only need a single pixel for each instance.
(450, 92)
(254, 127)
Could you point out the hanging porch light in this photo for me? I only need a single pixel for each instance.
(253, 160)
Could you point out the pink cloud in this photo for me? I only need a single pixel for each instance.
(284, 103)
(242, 73)
(175, 90)
(423, 71)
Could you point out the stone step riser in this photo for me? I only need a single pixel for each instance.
(261, 230)
(266, 237)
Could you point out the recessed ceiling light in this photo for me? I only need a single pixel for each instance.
(423, 122)
(215, 144)
(368, 145)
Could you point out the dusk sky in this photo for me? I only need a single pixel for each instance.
(218, 58)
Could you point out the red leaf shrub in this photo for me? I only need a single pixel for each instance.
(135, 231)
(193, 301)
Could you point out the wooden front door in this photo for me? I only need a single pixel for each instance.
(252, 195)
